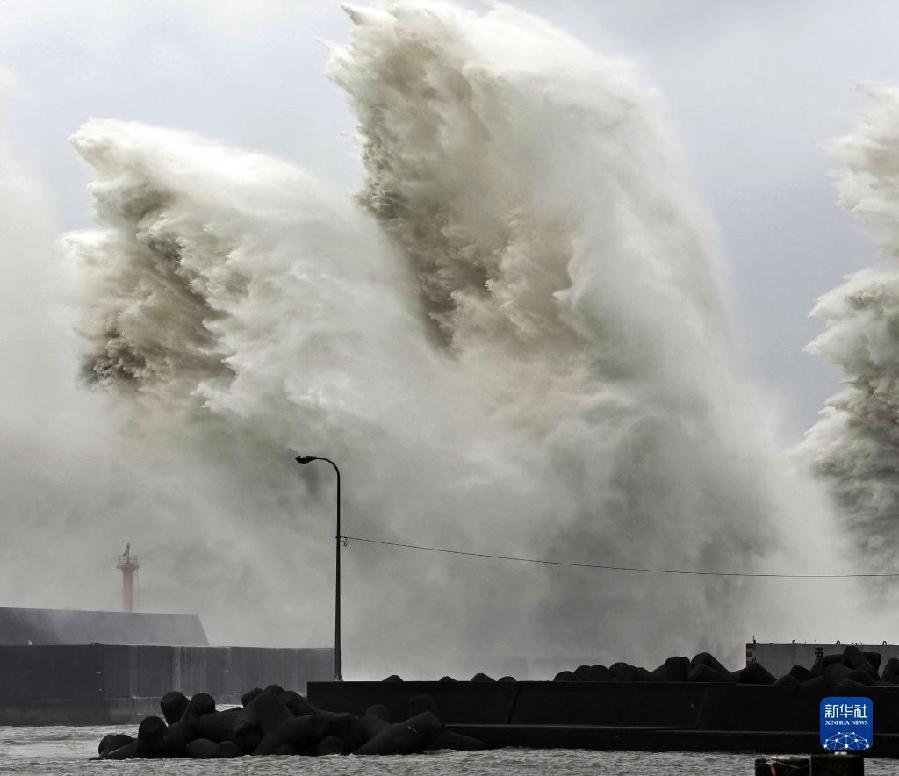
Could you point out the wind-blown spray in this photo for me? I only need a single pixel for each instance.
(515, 342)
(855, 444)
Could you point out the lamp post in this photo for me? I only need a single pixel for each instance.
(303, 460)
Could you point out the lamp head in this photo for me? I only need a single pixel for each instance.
(304, 459)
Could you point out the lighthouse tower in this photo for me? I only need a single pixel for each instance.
(128, 566)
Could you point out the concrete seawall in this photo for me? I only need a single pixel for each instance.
(651, 716)
(86, 684)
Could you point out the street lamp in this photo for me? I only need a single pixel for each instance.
(303, 460)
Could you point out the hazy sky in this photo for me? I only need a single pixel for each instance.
(753, 91)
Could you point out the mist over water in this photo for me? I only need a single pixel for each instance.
(855, 444)
(512, 340)
(49, 436)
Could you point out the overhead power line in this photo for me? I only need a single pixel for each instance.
(607, 567)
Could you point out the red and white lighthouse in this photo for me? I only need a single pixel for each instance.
(128, 566)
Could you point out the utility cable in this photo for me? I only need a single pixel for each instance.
(606, 567)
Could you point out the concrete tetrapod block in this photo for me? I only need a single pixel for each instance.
(855, 659)
(755, 673)
(407, 737)
(600, 673)
(246, 733)
(480, 676)
(705, 659)
(457, 742)
(625, 672)
(218, 726)
(126, 752)
(705, 673)
(593, 673)
(249, 695)
(348, 728)
(200, 703)
(677, 668)
(862, 677)
(891, 671)
(113, 741)
(260, 715)
(820, 667)
(173, 705)
(269, 711)
(296, 703)
(301, 733)
(874, 658)
(375, 720)
(836, 673)
(565, 676)
(147, 744)
(176, 737)
(149, 735)
(800, 673)
(201, 748)
(674, 669)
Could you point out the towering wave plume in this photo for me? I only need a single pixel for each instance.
(514, 341)
(855, 444)
(567, 271)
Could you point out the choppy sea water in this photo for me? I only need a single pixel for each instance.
(67, 750)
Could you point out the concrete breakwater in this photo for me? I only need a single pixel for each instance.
(90, 684)
(274, 721)
(630, 709)
(684, 705)
(657, 716)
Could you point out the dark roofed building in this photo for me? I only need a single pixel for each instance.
(74, 626)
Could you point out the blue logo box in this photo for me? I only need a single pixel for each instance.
(847, 724)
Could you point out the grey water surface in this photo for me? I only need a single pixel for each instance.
(67, 750)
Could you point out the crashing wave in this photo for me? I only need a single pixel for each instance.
(514, 341)
(855, 444)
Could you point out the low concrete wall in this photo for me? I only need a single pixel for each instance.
(99, 683)
(674, 705)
